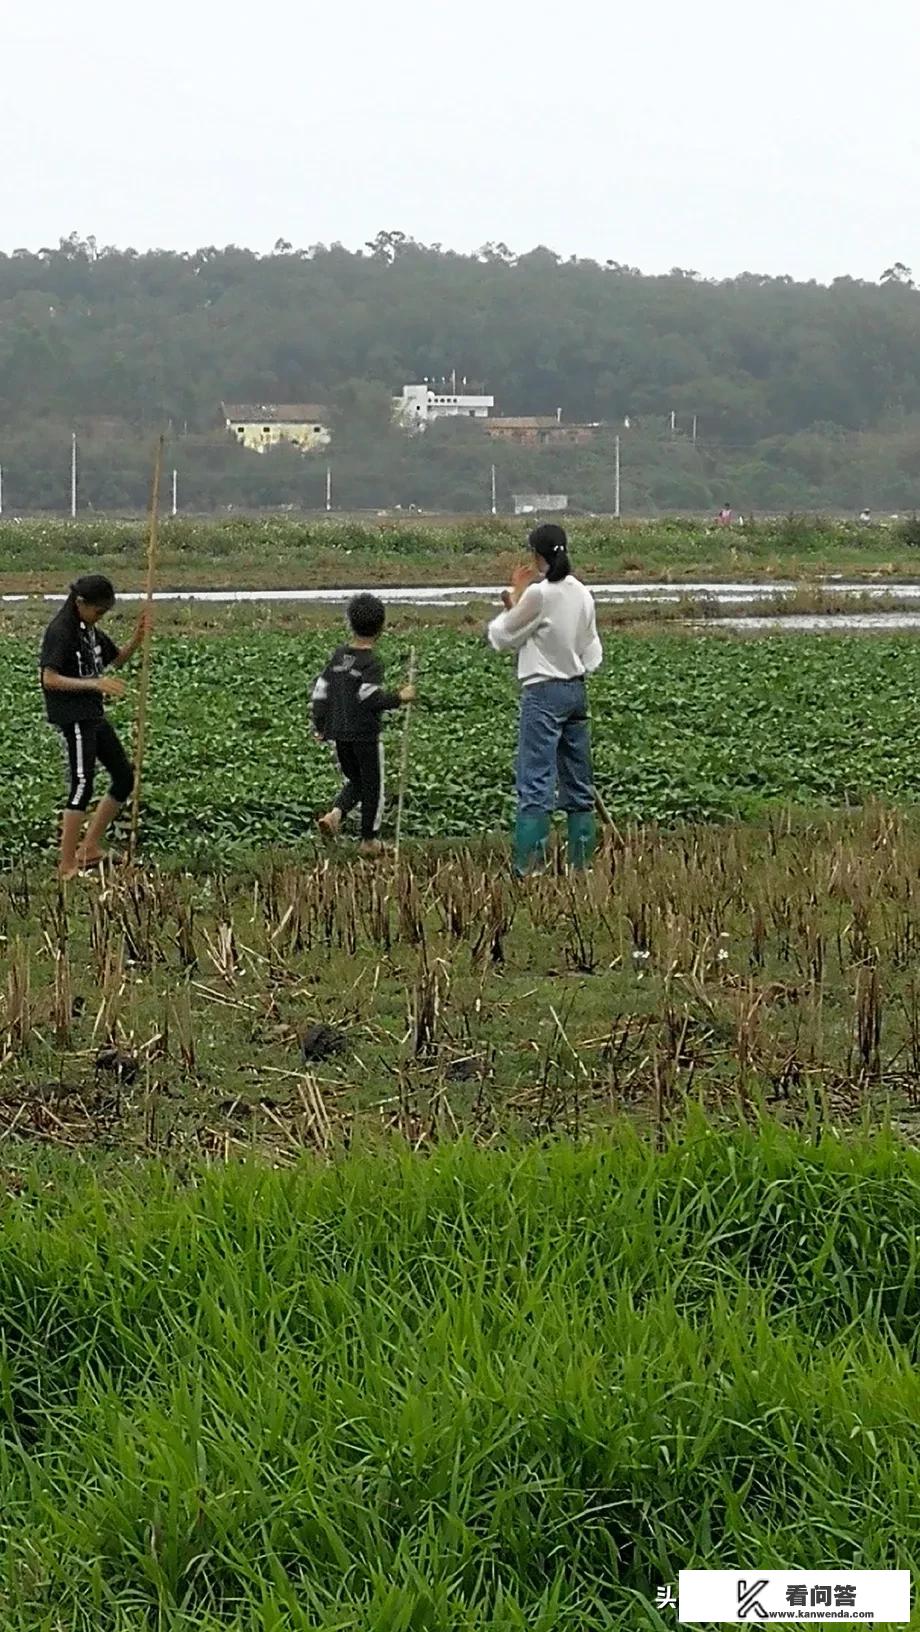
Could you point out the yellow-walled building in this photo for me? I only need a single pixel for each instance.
(260, 426)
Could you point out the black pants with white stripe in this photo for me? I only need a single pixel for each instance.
(362, 768)
(85, 742)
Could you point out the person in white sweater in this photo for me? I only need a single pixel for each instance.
(549, 621)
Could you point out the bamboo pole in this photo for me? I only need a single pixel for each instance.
(602, 810)
(403, 764)
(607, 821)
(143, 689)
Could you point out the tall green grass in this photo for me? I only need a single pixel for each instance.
(290, 551)
(483, 1390)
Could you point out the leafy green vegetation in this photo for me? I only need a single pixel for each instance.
(684, 728)
(484, 1391)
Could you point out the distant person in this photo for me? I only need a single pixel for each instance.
(725, 516)
(549, 621)
(74, 655)
(348, 705)
(865, 517)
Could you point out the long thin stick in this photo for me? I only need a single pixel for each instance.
(602, 810)
(404, 763)
(143, 688)
(607, 821)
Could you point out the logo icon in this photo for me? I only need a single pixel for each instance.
(748, 1601)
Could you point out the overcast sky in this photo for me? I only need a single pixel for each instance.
(713, 134)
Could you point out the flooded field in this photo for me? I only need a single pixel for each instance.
(816, 623)
(727, 595)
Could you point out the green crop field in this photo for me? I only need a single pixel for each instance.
(684, 729)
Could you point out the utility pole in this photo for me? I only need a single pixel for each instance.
(175, 493)
(616, 478)
(328, 488)
(673, 422)
(694, 430)
(73, 475)
(494, 510)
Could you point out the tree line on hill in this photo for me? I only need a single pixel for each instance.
(804, 395)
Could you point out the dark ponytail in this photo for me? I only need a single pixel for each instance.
(95, 589)
(550, 542)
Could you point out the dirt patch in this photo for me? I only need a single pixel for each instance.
(322, 1043)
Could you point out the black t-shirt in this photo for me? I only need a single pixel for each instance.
(77, 650)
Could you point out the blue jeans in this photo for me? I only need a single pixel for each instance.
(554, 747)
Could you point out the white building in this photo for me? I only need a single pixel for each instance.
(534, 504)
(420, 404)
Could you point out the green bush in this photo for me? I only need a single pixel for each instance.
(909, 532)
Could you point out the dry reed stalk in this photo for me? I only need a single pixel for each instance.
(19, 1013)
(403, 766)
(223, 952)
(143, 687)
(112, 986)
(868, 1023)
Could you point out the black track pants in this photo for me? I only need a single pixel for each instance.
(362, 768)
(85, 742)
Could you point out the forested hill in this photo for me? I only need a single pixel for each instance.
(164, 336)
(784, 396)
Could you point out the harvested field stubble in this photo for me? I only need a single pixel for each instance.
(749, 969)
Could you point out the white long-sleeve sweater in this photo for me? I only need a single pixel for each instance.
(553, 629)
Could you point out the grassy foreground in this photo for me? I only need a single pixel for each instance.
(505, 1391)
(289, 552)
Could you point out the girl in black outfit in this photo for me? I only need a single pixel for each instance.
(74, 654)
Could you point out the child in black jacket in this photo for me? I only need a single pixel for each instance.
(348, 704)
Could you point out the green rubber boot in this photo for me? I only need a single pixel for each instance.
(582, 836)
(530, 837)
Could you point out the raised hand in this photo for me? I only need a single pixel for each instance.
(522, 577)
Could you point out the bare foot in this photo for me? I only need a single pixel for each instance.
(67, 875)
(92, 858)
(330, 825)
(371, 847)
